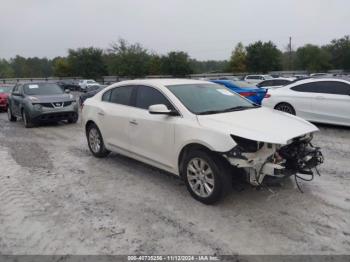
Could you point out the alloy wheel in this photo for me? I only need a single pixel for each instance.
(200, 177)
(94, 140)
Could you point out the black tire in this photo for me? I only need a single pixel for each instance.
(221, 179)
(10, 115)
(285, 107)
(100, 150)
(74, 119)
(26, 119)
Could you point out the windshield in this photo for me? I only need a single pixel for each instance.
(5, 89)
(268, 77)
(209, 98)
(42, 89)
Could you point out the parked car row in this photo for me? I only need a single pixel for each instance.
(202, 131)
(77, 85)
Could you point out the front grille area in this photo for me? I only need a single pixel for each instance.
(56, 104)
(46, 105)
(56, 116)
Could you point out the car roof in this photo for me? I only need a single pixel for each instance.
(164, 81)
(312, 80)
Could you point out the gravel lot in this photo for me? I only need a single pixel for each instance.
(55, 198)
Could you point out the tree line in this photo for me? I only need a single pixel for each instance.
(133, 60)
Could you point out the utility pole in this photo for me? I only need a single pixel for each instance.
(290, 53)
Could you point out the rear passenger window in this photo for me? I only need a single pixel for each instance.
(106, 96)
(121, 95)
(147, 96)
(324, 87)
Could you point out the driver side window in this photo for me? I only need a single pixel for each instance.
(147, 96)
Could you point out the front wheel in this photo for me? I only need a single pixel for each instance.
(73, 119)
(285, 107)
(26, 119)
(206, 176)
(95, 141)
(10, 115)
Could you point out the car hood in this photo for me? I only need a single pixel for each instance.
(259, 124)
(52, 98)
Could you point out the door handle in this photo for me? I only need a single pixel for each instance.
(133, 122)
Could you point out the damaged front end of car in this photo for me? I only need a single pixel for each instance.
(260, 159)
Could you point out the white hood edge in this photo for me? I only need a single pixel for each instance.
(259, 124)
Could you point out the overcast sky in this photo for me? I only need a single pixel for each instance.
(206, 29)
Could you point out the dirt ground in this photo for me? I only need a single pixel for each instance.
(56, 198)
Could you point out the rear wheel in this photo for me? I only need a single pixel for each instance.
(206, 176)
(26, 119)
(285, 107)
(95, 141)
(10, 115)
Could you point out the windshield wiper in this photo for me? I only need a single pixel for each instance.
(236, 108)
(209, 112)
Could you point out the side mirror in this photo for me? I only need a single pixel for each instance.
(16, 94)
(67, 91)
(161, 109)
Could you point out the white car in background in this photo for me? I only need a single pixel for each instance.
(275, 83)
(84, 83)
(256, 79)
(198, 130)
(323, 100)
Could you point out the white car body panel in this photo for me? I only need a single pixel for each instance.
(159, 139)
(86, 83)
(269, 126)
(315, 107)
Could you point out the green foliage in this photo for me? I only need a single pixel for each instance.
(61, 67)
(263, 57)
(133, 60)
(176, 64)
(313, 58)
(339, 50)
(154, 65)
(6, 70)
(86, 62)
(126, 59)
(209, 66)
(238, 61)
(31, 67)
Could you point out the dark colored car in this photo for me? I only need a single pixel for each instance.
(249, 91)
(41, 102)
(274, 83)
(69, 84)
(5, 90)
(91, 91)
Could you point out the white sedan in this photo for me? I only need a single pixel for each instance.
(324, 100)
(200, 131)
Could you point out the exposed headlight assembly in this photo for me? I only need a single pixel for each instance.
(247, 145)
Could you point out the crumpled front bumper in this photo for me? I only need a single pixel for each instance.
(267, 162)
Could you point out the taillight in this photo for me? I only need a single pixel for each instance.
(247, 94)
(267, 95)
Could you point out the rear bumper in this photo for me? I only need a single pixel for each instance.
(3, 106)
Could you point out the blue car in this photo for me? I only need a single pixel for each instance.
(254, 94)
